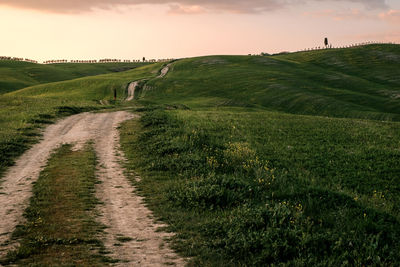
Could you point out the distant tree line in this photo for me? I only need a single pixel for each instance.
(106, 60)
(328, 46)
(18, 59)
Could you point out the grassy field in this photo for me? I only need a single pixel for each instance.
(24, 111)
(282, 160)
(15, 75)
(61, 229)
(253, 188)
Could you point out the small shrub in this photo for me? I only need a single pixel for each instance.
(212, 192)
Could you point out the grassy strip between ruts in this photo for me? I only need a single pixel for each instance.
(317, 201)
(61, 227)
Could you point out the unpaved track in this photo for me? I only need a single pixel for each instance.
(123, 212)
(125, 215)
(132, 86)
(131, 90)
(164, 71)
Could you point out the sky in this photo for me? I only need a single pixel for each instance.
(132, 29)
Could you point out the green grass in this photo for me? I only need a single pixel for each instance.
(24, 111)
(256, 188)
(364, 85)
(288, 160)
(61, 229)
(15, 75)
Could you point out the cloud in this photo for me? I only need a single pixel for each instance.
(339, 15)
(370, 4)
(176, 6)
(186, 10)
(391, 16)
(388, 36)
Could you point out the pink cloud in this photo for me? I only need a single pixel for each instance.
(341, 15)
(178, 6)
(391, 16)
(389, 36)
(185, 10)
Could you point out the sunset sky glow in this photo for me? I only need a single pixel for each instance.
(131, 29)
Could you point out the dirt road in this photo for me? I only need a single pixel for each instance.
(164, 71)
(132, 86)
(131, 90)
(123, 212)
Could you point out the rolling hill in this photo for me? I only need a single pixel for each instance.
(15, 75)
(358, 82)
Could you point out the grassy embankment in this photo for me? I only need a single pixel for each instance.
(288, 159)
(61, 229)
(24, 111)
(16, 75)
(354, 83)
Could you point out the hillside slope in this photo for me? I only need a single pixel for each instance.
(15, 75)
(356, 82)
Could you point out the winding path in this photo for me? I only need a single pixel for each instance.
(131, 90)
(164, 71)
(133, 85)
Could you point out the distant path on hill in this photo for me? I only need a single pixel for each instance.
(122, 211)
(131, 90)
(164, 71)
(133, 85)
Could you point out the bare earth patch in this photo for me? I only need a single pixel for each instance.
(131, 233)
(131, 90)
(133, 85)
(164, 71)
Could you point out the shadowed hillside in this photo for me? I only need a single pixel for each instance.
(15, 75)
